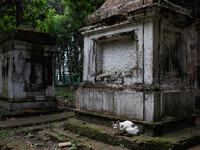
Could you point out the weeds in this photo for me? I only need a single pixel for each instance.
(61, 139)
(121, 145)
(135, 139)
(75, 144)
(64, 94)
(4, 134)
(28, 131)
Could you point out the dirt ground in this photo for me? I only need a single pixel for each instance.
(48, 137)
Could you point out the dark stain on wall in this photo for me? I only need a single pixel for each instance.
(41, 69)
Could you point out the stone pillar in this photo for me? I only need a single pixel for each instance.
(27, 63)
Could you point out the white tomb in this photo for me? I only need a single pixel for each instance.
(137, 62)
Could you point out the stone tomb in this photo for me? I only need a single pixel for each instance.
(27, 62)
(136, 64)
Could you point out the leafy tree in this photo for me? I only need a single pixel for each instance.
(66, 28)
(14, 13)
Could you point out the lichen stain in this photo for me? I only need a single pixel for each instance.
(191, 67)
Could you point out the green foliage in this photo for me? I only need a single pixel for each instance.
(65, 26)
(74, 144)
(66, 94)
(7, 17)
(135, 139)
(121, 145)
(160, 2)
(4, 133)
(28, 132)
(34, 13)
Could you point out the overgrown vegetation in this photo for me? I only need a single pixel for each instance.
(66, 95)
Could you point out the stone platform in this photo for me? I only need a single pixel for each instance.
(147, 128)
(35, 120)
(178, 140)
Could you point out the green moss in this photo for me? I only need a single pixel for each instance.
(102, 87)
(85, 130)
(114, 139)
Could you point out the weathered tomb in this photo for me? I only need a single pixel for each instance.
(27, 61)
(139, 63)
(193, 7)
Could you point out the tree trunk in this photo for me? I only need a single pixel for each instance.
(68, 63)
(59, 69)
(64, 81)
(19, 11)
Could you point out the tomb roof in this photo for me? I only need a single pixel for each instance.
(27, 35)
(122, 7)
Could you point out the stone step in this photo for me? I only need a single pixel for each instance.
(181, 139)
(29, 113)
(197, 147)
(14, 145)
(35, 120)
(86, 143)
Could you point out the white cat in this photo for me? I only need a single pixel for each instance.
(132, 130)
(126, 127)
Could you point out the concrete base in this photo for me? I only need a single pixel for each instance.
(147, 128)
(23, 105)
(136, 102)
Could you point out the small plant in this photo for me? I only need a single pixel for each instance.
(91, 148)
(121, 145)
(103, 132)
(74, 144)
(135, 139)
(29, 132)
(160, 2)
(4, 134)
(61, 139)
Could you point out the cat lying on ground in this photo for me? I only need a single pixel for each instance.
(126, 127)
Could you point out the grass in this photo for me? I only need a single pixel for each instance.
(4, 134)
(64, 94)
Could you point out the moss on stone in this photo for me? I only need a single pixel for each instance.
(176, 140)
(102, 87)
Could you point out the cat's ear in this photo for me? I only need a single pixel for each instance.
(133, 125)
(117, 122)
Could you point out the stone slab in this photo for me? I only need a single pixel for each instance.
(35, 120)
(15, 106)
(178, 140)
(29, 113)
(148, 128)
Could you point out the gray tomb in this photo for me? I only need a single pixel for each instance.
(137, 65)
(27, 60)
